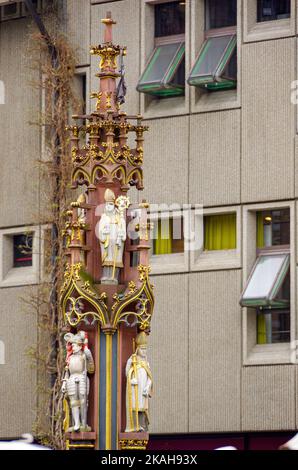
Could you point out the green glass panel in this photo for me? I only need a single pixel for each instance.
(211, 56)
(165, 72)
(213, 63)
(160, 63)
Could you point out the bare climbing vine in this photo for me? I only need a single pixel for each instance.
(58, 101)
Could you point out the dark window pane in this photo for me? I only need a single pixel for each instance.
(179, 77)
(269, 10)
(273, 327)
(134, 259)
(231, 69)
(35, 4)
(169, 19)
(273, 228)
(284, 291)
(168, 236)
(220, 13)
(22, 250)
(10, 9)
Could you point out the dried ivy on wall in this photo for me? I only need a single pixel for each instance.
(58, 102)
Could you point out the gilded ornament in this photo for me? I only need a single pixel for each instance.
(144, 271)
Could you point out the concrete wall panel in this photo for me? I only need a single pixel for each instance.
(17, 376)
(268, 120)
(215, 158)
(168, 355)
(268, 398)
(214, 351)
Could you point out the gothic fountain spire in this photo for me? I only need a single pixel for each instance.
(107, 100)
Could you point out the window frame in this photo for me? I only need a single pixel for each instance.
(217, 81)
(172, 262)
(207, 18)
(201, 260)
(201, 100)
(13, 16)
(265, 303)
(254, 30)
(11, 276)
(165, 82)
(151, 106)
(274, 19)
(276, 353)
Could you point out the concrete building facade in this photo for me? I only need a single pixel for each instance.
(232, 151)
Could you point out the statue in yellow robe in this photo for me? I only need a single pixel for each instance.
(138, 387)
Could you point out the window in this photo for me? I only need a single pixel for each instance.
(273, 327)
(269, 10)
(273, 228)
(11, 11)
(169, 19)
(216, 65)
(215, 235)
(168, 236)
(168, 240)
(164, 74)
(22, 250)
(36, 4)
(268, 287)
(220, 232)
(220, 14)
(265, 285)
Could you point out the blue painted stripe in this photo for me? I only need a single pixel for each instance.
(102, 393)
(114, 390)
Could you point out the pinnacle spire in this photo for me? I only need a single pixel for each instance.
(108, 53)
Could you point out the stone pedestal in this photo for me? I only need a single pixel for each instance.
(133, 440)
(80, 440)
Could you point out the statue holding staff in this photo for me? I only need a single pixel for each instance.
(112, 236)
(138, 387)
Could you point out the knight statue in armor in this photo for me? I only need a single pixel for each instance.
(79, 363)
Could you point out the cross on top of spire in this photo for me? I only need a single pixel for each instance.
(108, 22)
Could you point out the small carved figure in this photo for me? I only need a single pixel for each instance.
(79, 362)
(112, 235)
(138, 387)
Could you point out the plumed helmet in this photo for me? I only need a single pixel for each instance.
(78, 338)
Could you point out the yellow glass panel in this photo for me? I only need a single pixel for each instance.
(261, 328)
(162, 245)
(220, 232)
(260, 230)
